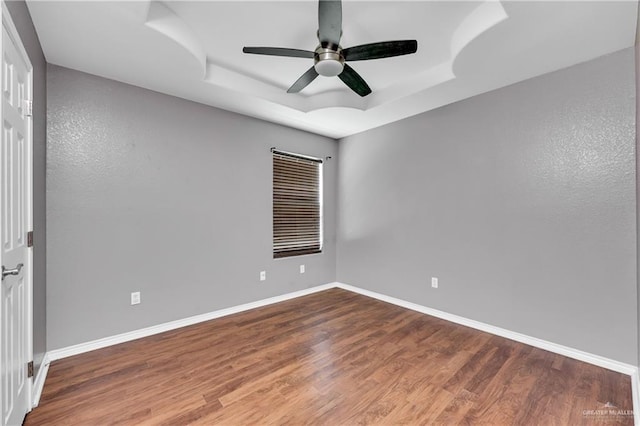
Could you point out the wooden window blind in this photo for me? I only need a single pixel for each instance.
(297, 227)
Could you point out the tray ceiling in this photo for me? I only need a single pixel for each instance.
(193, 50)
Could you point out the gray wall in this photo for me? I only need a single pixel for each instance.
(521, 201)
(151, 193)
(22, 20)
(637, 52)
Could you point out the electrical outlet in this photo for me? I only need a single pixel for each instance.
(302, 269)
(135, 298)
(434, 282)
(263, 275)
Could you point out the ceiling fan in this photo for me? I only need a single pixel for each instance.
(330, 58)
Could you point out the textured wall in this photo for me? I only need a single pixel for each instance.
(637, 54)
(522, 202)
(172, 198)
(22, 20)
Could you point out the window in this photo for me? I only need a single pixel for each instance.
(297, 204)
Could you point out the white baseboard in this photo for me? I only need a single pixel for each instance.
(172, 325)
(38, 383)
(597, 360)
(600, 361)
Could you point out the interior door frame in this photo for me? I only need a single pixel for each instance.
(12, 31)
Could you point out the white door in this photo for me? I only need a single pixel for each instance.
(15, 218)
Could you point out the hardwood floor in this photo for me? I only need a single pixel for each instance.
(331, 358)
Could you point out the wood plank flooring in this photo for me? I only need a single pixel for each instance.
(333, 358)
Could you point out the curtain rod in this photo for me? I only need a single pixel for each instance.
(275, 150)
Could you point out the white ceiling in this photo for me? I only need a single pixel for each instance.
(193, 49)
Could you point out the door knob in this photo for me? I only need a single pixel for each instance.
(14, 271)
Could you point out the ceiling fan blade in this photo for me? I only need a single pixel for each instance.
(279, 51)
(383, 49)
(356, 83)
(303, 81)
(330, 21)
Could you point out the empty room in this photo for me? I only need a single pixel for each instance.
(319, 212)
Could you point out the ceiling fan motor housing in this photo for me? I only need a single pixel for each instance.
(328, 60)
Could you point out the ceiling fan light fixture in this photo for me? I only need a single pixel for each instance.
(328, 62)
(329, 67)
